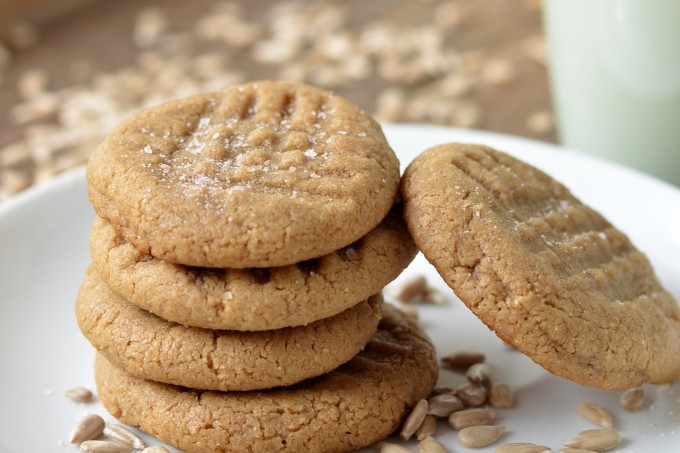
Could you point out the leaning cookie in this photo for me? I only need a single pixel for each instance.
(254, 299)
(548, 274)
(349, 408)
(152, 348)
(259, 175)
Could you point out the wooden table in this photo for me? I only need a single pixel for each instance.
(98, 35)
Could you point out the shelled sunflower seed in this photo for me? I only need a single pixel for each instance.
(480, 436)
(430, 445)
(633, 399)
(87, 428)
(79, 394)
(471, 417)
(125, 436)
(427, 428)
(595, 440)
(596, 414)
(414, 420)
(522, 447)
(462, 360)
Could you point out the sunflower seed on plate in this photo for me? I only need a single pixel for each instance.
(412, 290)
(478, 373)
(574, 450)
(500, 396)
(79, 394)
(87, 428)
(522, 447)
(595, 440)
(480, 436)
(443, 405)
(442, 390)
(122, 434)
(472, 394)
(632, 399)
(596, 414)
(430, 445)
(427, 428)
(103, 446)
(471, 417)
(386, 447)
(414, 420)
(462, 360)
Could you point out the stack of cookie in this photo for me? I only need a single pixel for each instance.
(242, 242)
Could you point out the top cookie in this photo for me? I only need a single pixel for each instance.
(261, 174)
(548, 274)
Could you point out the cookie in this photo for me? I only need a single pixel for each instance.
(259, 175)
(547, 273)
(254, 299)
(351, 407)
(152, 348)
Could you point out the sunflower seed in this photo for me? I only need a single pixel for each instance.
(471, 417)
(574, 450)
(444, 405)
(540, 122)
(124, 435)
(472, 394)
(522, 447)
(462, 360)
(595, 440)
(87, 428)
(79, 395)
(479, 373)
(414, 420)
(427, 427)
(411, 290)
(103, 446)
(442, 390)
(480, 436)
(500, 396)
(430, 445)
(156, 449)
(633, 399)
(596, 414)
(386, 447)
(434, 296)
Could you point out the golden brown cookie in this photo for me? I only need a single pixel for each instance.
(152, 348)
(351, 407)
(548, 274)
(254, 299)
(259, 175)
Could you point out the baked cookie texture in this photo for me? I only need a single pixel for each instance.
(259, 175)
(545, 272)
(254, 299)
(349, 408)
(150, 347)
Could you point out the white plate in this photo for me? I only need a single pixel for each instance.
(43, 255)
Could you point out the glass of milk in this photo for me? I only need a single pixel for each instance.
(615, 73)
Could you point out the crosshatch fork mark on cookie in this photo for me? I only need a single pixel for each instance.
(257, 143)
(273, 172)
(563, 226)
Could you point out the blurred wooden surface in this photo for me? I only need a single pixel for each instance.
(98, 36)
